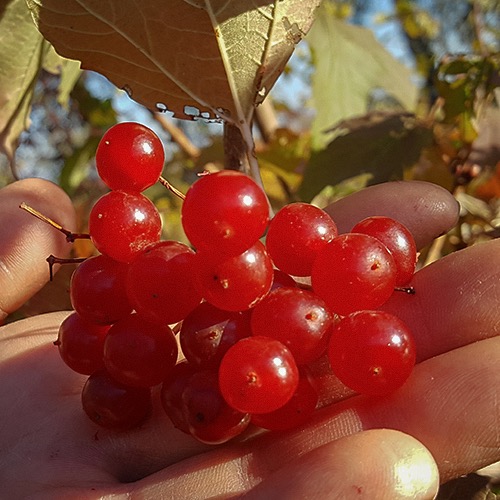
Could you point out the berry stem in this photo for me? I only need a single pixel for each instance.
(406, 289)
(171, 188)
(52, 260)
(70, 237)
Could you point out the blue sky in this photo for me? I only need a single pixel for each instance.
(294, 89)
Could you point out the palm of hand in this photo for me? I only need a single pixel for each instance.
(46, 433)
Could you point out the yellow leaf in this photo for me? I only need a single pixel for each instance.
(21, 60)
(24, 53)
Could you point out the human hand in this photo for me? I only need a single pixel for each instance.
(352, 447)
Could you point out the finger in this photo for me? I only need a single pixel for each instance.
(455, 303)
(456, 300)
(376, 464)
(426, 209)
(450, 404)
(25, 242)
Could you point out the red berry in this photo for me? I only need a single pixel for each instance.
(224, 212)
(97, 290)
(372, 352)
(171, 394)
(81, 344)
(122, 224)
(397, 238)
(160, 282)
(129, 157)
(210, 419)
(258, 375)
(139, 353)
(297, 318)
(111, 404)
(208, 332)
(354, 272)
(295, 236)
(234, 283)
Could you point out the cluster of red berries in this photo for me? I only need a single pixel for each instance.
(246, 328)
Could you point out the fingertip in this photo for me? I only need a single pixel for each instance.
(26, 242)
(428, 210)
(375, 464)
(415, 473)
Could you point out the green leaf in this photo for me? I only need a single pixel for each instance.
(69, 72)
(76, 167)
(24, 53)
(349, 65)
(330, 194)
(380, 144)
(465, 83)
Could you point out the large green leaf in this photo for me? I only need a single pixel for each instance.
(349, 65)
(379, 144)
(24, 53)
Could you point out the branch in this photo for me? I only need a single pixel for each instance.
(235, 149)
(476, 16)
(266, 119)
(178, 136)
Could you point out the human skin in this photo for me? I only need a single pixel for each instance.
(441, 424)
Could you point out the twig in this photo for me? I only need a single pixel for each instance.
(266, 120)
(52, 260)
(477, 26)
(70, 237)
(178, 136)
(171, 188)
(235, 149)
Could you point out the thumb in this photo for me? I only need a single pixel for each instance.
(25, 242)
(375, 464)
